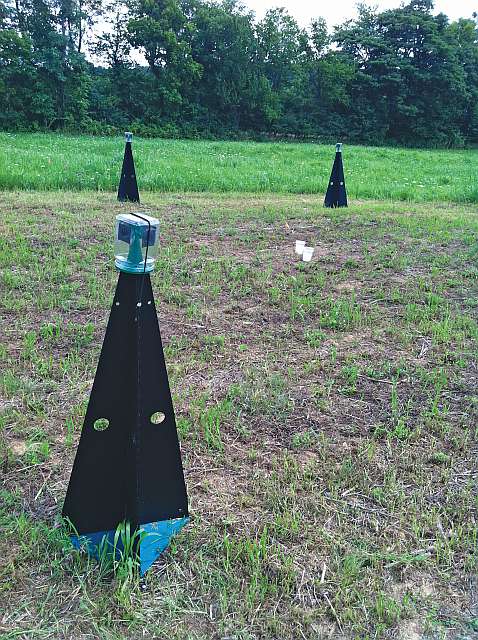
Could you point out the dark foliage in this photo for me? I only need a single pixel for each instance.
(196, 68)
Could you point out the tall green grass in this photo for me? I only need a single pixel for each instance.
(54, 162)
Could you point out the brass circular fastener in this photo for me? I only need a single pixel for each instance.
(158, 417)
(101, 424)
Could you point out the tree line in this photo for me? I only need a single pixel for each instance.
(199, 68)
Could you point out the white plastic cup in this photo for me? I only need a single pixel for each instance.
(299, 247)
(307, 254)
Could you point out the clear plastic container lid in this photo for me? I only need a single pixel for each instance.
(136, 242)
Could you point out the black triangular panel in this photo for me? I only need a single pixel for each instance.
(128, 187)
(132, 470)
(336, 195)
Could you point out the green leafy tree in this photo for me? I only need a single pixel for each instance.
(464, 35)
(112, 45)
(17, 79)
(54, 70)
(283, 47)
(160, 30)
(403, 76)
(284, 52)
(410, 85)
(233, 93)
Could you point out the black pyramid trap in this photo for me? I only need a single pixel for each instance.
(128, 464)
(128, 186)
(336, 195)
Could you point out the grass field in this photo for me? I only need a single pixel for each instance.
(45, 162)
(327, 411)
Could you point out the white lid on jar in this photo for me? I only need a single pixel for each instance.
(129, 218)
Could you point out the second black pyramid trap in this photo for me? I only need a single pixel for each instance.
(128, 186)
(336, 195)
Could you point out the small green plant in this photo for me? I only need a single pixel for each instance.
(440, 457)
(350, 375)
(342, 314)
(303, 439)
(388, 610)
(126, 560)
(315, 337)
(50, 331)
(211, 419)
(29, 345)
(215, 341)
(83, 334)
(262, 393)
(38, 447)
(399, 415)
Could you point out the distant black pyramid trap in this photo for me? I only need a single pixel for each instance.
(336, 195)
(128, 186)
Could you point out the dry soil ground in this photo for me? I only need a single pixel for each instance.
(327, 415)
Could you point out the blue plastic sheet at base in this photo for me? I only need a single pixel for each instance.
(94, 542)
(154, 539)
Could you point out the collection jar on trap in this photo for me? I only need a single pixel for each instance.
(136, 242)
